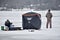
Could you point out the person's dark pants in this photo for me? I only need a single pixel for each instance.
(49, 22)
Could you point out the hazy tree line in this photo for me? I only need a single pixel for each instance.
(34, 4)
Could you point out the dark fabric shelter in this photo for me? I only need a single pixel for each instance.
(31, 20)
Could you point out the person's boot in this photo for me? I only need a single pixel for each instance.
(50, 27)
(46, 27)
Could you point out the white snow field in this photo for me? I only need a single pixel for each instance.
(43, 34)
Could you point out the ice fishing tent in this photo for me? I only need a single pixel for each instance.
(31, 20)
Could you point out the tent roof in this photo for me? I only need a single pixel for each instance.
(31, 14)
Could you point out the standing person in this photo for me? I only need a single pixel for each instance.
(49, 17)
(8, 23)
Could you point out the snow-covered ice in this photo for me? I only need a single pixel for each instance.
(43, 34)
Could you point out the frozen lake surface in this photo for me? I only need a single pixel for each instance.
(43, 34)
